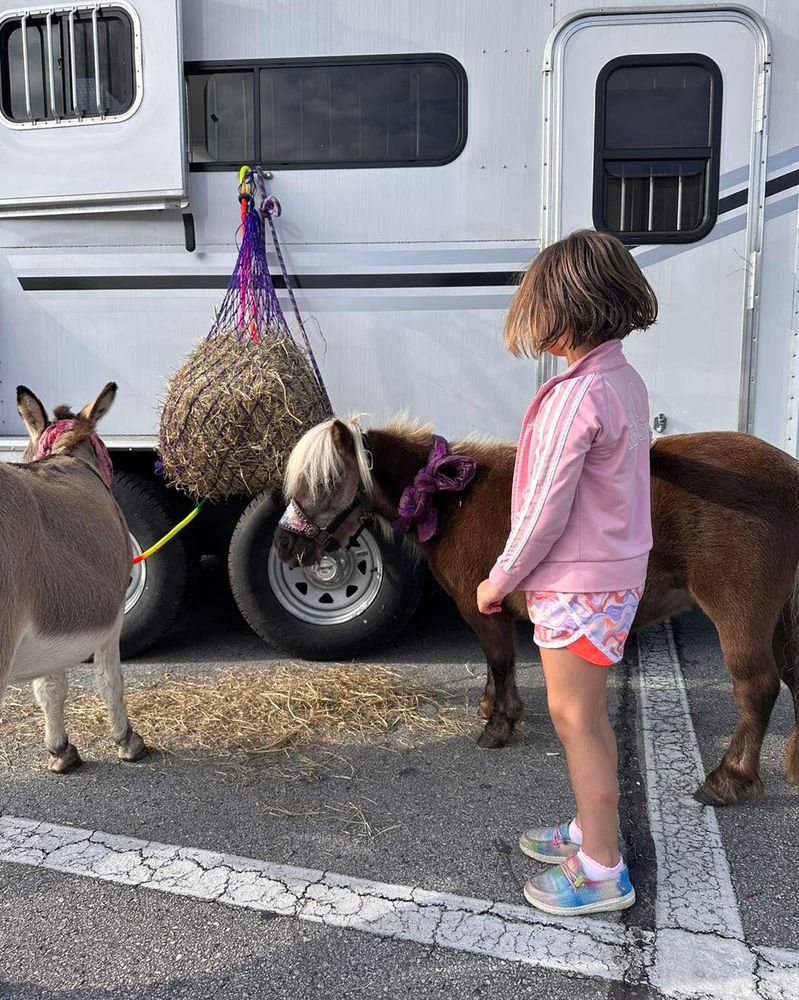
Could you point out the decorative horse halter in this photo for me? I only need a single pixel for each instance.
(298, 522)
(444, 473)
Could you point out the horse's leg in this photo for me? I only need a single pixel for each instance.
(111, 686)
(51, 693)
(748, 651)
(485, 703)
(500, 704)
(792, 748)
(786, 654)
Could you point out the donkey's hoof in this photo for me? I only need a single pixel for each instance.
(132, 749)
(68, 760)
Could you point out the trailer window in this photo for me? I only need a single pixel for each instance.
(657, 138)
(340, 112)
(69, 65)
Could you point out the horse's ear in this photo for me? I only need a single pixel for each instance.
(33, 414)
(342, 437)
(97, 409)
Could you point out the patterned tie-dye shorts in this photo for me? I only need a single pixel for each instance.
(594, 626)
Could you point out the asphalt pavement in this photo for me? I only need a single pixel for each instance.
(443, 815)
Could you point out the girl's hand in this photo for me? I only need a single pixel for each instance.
(489, 599)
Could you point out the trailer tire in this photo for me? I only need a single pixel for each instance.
(159, 587)
(353, 602)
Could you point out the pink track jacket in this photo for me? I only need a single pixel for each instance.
(580, 514)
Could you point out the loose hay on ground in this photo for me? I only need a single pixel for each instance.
(244, 713)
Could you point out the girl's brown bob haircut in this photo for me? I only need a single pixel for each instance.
(587, 288)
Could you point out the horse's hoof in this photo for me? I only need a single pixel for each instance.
(707, 797)
(489, 740)
(64, 762)
(134, 749)
(722, 788)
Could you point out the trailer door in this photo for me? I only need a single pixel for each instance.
(91, 107)
(655, 130)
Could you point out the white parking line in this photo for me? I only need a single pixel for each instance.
(697, 950)
(584, 946)
(700, 949)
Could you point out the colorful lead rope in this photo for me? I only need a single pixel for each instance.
(169, 535)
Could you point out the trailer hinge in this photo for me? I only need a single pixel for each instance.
(760, 101)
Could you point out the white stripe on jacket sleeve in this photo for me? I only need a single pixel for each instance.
(552, 456)
(546, 425)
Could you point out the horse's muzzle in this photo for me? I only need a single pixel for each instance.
(296, 550)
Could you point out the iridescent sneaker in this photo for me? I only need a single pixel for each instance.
(567, 891)
(550, 844)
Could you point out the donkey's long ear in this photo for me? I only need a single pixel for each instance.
(33, 414)
(96, 410)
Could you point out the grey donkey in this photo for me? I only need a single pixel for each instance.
(65, 558)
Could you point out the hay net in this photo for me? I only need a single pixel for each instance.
(250, 389)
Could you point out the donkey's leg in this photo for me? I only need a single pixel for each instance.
(748, 650)
(500, 703)
(51, 693)
(111, 687)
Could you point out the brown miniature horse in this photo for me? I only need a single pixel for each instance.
(725, 513)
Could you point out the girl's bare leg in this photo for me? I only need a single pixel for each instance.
(577, 699)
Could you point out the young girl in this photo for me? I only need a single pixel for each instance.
(580, 539)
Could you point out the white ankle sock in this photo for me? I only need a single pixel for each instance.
(597, 872)
(575, 833)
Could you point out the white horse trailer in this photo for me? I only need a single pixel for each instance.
(422, 153)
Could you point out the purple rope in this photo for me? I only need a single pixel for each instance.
(270, 209)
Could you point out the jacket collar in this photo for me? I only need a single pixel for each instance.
(606, 357)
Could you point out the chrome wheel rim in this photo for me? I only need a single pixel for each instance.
(137, 579)
(337, 590)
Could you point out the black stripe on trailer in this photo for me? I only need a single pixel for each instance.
(424, 279)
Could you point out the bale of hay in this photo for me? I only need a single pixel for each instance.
(233, 412)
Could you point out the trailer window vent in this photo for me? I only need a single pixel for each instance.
(657, 139)
(349, 111)
(70, 65)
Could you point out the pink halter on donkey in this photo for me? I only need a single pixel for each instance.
(55, 430)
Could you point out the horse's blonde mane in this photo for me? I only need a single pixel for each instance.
(316, 465)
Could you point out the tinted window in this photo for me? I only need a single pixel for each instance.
(221, 117)
(392, 110)
(38, 83)
(657, 148)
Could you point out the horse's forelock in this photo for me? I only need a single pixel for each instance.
(316, 465)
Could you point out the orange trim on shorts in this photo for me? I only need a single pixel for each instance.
(586, 650)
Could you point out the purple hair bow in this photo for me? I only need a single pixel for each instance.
(444, 473)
